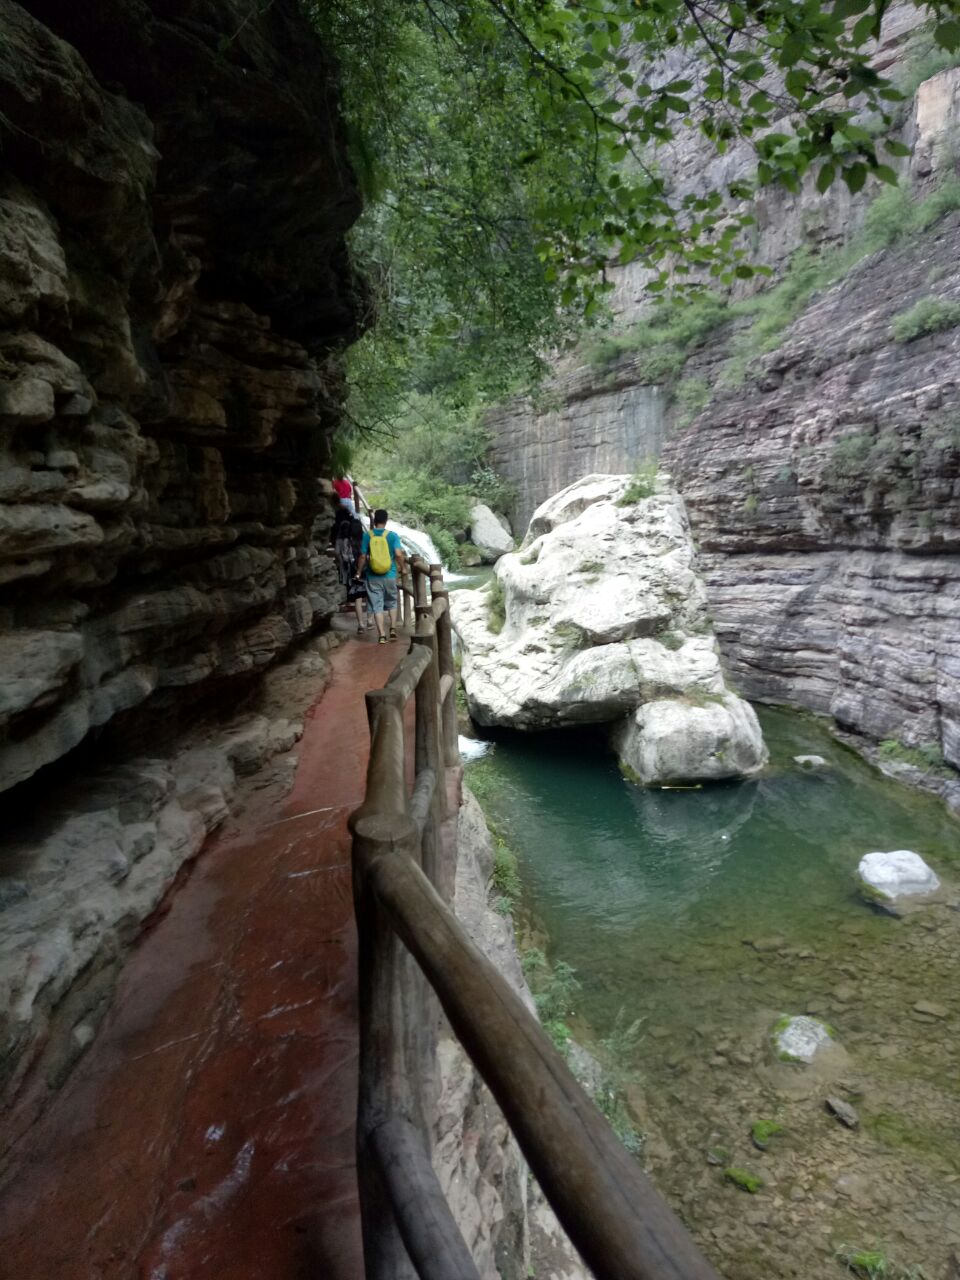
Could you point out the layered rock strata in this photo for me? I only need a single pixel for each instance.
(603, 613)
(825, 495)
(172, 278)
(610, 417)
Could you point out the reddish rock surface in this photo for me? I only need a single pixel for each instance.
(208, 1132)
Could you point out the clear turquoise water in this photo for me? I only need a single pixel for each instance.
(700, 917)
(650, 895)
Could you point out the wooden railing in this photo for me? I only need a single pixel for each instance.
(413, 952)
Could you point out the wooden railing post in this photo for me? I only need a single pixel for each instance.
(420, 597)
(385, 1084)
(604, 1201)
(448, 710)
(428, 753)
(386, 789)
(407, 595)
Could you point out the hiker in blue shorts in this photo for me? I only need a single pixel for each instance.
(380, 553)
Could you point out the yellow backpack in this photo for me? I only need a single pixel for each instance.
(381, 559)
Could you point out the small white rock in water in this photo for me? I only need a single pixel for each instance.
(472, 748)
(810, 762)
(898, 874)
(800, 1039)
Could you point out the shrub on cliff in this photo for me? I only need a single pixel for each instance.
(929, 315)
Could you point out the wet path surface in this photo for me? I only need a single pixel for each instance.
(208, 1132)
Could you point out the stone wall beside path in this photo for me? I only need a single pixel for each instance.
(173, 280)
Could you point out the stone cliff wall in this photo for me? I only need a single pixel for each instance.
(611, 419)
(173, 279)
(587, 425)
(825, 494)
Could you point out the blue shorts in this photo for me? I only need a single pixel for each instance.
(381, 594)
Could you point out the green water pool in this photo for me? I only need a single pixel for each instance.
(707, 913)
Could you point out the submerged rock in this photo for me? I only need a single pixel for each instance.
(843, 1111)
(599, 613)
(810, 762)
(800, 1039)
(887, 878)
(673, 740)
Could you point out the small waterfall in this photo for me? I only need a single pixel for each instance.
(418, 543)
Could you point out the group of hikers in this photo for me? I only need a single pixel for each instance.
(367, 561)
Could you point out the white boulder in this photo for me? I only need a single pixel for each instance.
(489, 533)
(888, 877)
(601, 609)
(683, 740)
(600, 612)
(800, 1039)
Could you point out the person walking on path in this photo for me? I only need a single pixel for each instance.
(343, 488)
(380, 553)
(356, 587)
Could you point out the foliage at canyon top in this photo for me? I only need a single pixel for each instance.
(509, 154)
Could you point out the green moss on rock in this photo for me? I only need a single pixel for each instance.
(743, 1179)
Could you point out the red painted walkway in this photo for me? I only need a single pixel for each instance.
(208, 1132)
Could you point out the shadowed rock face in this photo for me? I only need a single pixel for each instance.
(173, 279)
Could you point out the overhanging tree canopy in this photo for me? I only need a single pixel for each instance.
(509, 152)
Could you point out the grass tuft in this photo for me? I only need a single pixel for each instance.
(927, 756)
(496, 606)
(743, 1179)
(643, 484)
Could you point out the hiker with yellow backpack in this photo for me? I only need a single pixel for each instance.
(380, 553)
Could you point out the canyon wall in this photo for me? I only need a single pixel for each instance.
(173, 281)
(822, 482)
(825, 495)
(611, 418)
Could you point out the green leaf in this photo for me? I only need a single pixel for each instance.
(947, 35)
(886, 174)
(855, 175)
(863, 29)
(825, 177)
(793, 49)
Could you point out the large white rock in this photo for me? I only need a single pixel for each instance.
(800, 1039)
(675, 740)
(603, 611)
(897, 874)
(489, 533)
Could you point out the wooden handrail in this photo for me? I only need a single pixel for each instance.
(612, 1213)
(619, 1223)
